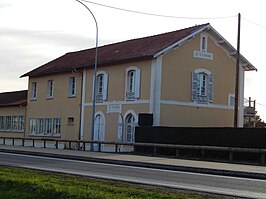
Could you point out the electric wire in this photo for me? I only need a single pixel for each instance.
(156, 15)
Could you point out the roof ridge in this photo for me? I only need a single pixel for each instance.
(138, 38)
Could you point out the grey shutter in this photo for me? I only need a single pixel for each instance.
(210, 87)
(194, 92)
(120, 129)
(137, 84)
(105, 86)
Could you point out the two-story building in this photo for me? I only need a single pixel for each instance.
(184, 78)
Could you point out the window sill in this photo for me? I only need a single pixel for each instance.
(49, 98)
(42, 135)
(71, 96)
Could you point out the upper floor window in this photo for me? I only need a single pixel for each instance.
(202, 85)
(34, 91)
(101, 86)
(132, 83)
(50, 89)
(203, 43)
(72, 87)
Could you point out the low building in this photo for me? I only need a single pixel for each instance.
(13, 106)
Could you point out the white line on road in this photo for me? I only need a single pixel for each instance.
(133, 167)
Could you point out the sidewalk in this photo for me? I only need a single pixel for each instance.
(237, 170)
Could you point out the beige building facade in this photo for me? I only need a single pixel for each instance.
(183, 78)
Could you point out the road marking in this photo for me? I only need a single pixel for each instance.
(134, 167)
(213, 190)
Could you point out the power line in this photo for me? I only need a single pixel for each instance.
(261, 26)
(153, 14)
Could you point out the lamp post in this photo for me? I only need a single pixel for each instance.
(94, 74)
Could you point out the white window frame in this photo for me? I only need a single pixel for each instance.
(50, 89)
(132, 87)
(101, 93)
(126, 135)
(204, 42)
(45, 127)
(202, 89)
(34, 91)
(72, 84)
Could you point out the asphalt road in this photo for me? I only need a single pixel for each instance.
(232, 186)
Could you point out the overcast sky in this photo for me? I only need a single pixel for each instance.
(34, 32)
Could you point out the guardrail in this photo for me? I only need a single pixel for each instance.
(86, 145)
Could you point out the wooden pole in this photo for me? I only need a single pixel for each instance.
(237, 75)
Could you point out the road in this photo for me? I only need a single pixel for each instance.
(233, 186)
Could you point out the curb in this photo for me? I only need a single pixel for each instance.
(230, 173)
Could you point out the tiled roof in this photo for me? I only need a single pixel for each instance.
(121, 52)
(15, 98)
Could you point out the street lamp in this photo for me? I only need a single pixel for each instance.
(94, 74)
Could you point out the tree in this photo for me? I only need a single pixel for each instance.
(249, 122)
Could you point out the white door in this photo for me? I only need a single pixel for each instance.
(98, 131)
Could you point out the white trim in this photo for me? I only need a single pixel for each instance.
(131, 112)
(135, 68)
(155, 89)
(103, 133)
(83, 103)
(241, 97)
(204, 35)
(192, 104)
(119, 102)
(202, 70)
(181, 41)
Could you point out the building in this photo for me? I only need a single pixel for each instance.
(12, 113)
(184, 78)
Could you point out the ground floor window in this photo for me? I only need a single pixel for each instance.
(130, 128)
(45, 126)
(14, 123)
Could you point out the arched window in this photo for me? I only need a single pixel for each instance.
(202, 85)
(99, 128)
(132, 83)
(130, 127)
(101, 86)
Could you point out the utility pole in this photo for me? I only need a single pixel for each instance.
(237, 74)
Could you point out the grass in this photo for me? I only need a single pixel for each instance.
(27, 184)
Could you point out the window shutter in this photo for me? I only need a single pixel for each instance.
(105, 86)
(120, 129)
(194, 94)
(210, 87)
(137, 84)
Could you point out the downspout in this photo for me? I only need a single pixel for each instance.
(83, 94)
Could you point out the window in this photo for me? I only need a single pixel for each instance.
(203, 43)
(130, 128)
(202, 85)
(101, 86)
(45, 126)
(20, 123)
(72, 87)
(50, 89)
(14, 123)
(231, 100)
(132, 83)
(34, 91)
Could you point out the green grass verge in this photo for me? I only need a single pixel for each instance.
(26, 184)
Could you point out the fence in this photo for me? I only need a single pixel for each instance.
(87, 146)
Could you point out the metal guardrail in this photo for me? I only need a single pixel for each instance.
(83, 145)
